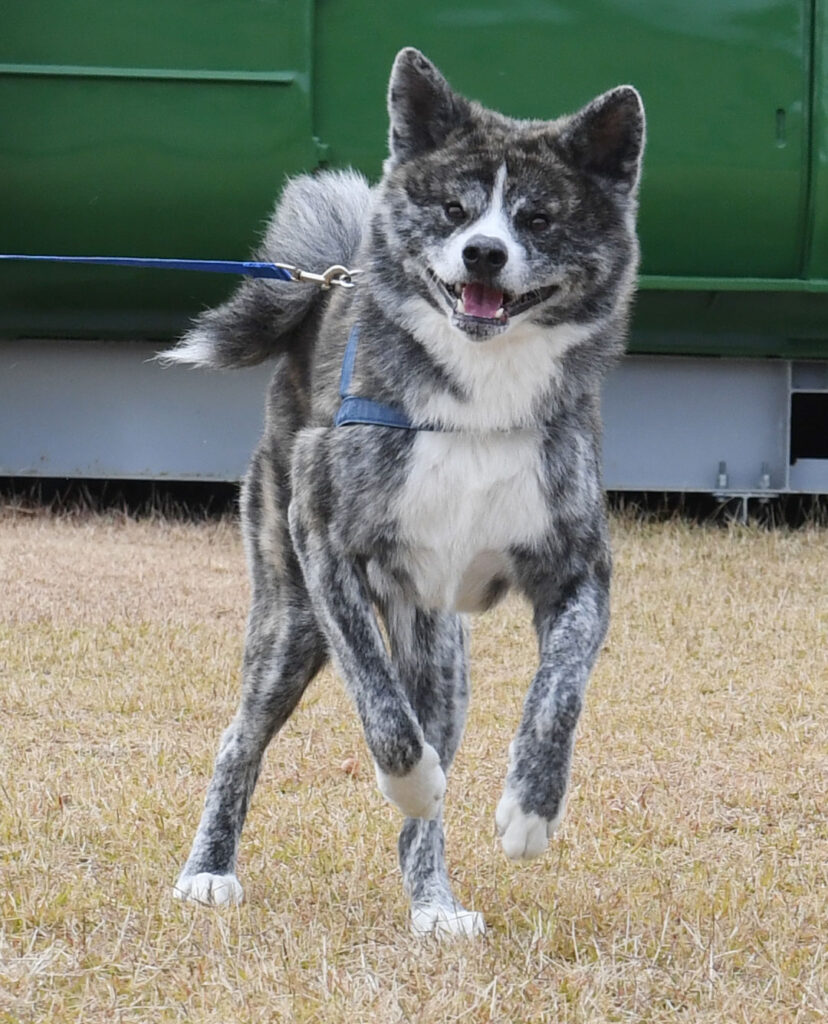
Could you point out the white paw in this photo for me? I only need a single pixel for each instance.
(207, 888)
(523, 836)
(446, 922)
(418, 794)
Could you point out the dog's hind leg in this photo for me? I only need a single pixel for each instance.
(431, 653)
(284, 650)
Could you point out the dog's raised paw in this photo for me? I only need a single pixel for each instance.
(446, 922)
(523, 836)
(419, 794)
(207, 888)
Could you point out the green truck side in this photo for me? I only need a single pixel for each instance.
(167, 129)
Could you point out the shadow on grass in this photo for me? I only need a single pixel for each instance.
(183, 501)
(196, 501)
(793, 511)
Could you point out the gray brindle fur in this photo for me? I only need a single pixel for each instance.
(499, 260)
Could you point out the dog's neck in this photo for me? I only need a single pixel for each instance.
(454, 384)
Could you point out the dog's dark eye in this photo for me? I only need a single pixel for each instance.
(455, 212)
(538, 222)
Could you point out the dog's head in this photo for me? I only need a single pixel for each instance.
(496, 222)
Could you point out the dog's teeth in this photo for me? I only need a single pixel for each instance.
(500, 314)
(458, 290)
(460, 306)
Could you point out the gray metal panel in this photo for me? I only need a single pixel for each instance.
(670, 421)
(809, 376)
(102, 409)
(99, 409)
(809, 476)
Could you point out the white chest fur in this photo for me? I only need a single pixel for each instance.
(504, 380)
(468, 499)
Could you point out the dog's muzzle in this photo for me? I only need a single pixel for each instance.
(482, 310)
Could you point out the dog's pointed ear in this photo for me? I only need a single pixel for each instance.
(606, 137)
(423, 109)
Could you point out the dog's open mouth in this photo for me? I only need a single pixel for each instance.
(481, 309)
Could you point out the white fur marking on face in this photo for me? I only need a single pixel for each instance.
(523, 836)
(446, 922)
(493, 222)
(207, 888)
(448, 263)
(420, 793)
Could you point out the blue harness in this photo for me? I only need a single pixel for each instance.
(355, 409)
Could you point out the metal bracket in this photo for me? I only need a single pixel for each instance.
(336, 274)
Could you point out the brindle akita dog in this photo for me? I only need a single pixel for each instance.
(450, 455)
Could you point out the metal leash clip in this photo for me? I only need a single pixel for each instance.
(336, 274)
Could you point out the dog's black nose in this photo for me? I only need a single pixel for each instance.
(483, 253)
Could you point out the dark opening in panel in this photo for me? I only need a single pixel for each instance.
(809, 426)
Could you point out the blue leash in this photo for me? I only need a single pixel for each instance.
(248, 268)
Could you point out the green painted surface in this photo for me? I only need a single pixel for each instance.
(817, 264)
(165, 129)
(158, 128)
(732, 323)
(723, 190)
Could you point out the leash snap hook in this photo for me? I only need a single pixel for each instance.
(337, 274)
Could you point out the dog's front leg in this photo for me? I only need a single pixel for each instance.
(571, 627)
(408, 769)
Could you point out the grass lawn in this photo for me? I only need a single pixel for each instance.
(688, 882)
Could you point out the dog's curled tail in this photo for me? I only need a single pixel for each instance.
(318, 222)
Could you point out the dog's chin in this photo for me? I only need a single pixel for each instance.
(479, 328)
(491, 318)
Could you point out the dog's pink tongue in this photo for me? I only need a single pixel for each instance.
(480, 300)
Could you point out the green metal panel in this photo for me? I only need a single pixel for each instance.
(142, 128)
(165, 127)
(727, 86)
(725, 83)
(817, 255)
(731, 323)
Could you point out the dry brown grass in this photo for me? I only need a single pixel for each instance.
(688, 882)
